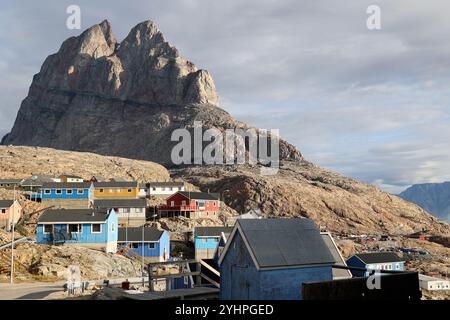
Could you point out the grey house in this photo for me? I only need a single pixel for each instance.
(130, 212)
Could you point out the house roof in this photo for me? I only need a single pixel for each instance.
(66, 185)
(70, 176)
(120, 203)
(116, 184)
(135, 234)
(11, 181)
(334, 250)
(73, 215)
(6, 203)
(166, 184)
(212, 231)
(37, 180)
(378, 257)
(199, 195)
(281, 243)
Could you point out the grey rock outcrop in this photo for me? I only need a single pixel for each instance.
(122, 99)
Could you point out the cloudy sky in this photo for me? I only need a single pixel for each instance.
(370, 104)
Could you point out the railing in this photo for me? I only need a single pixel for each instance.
(179, 208)
(62, 236)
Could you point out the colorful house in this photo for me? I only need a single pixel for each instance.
(10, 212)
(95, 229)
(207, 239)
(69, 195)
(149, 242)
(130, 212)
(375, 261)
(191, 205)
(270, 259)
(114, 190)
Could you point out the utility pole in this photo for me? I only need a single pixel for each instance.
(12, 239)
(142, 254)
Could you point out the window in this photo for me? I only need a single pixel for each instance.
(48, 228)
(112, 227)
(126, 210)
(80, 191)
(129, 190)
(138, 210)
(397, 266)
(100, 190)
(47, 191)
(119, 190)
(111, 190)
(205, 240)
(3, 210)
(183, 203)
(74, 228)
(58, 191)
(163, 189)
(172, 203)
(69, 191)
(171, 189)
(96, 228)
(151, 246)
(154, 188)
(135, 245)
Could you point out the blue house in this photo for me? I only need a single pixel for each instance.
(270, 259)
(69, 195)
(206, 240)
(149, 242)
(375, 261)
(80, 227)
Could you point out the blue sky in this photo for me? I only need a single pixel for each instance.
(373, 105)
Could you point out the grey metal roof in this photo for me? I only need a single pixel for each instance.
(11, 181)
(73, 215)
(116, 184)
(66, 185)
(37, 180)
(285, 242)
(120, 203)
(135, 234)
(212, 231)
(378, 257)
(199, 195)
(337, 273)
(6, 203)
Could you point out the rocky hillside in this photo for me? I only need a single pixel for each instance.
(336, 203)
(433, 197)
(125, 99)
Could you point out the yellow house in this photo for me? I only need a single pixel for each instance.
(70, 178)
(115, 190)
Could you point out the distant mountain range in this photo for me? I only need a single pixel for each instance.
(433, 197)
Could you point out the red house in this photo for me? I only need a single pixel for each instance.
(191, 205)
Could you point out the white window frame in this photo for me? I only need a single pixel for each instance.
(80, 228)
(119, 190)
(152, 244)
(80, 191)
(43, 228)
(58, 191)
(47, 191)
(172, 203)
(96, 232)
(69, 191)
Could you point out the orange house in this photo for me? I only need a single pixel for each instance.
(10, 211)
(114, 190)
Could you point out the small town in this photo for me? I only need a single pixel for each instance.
(184, 245)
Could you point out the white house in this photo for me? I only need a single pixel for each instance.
(164, 188)
(432, 283)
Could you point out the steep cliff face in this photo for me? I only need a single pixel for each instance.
(122, 99)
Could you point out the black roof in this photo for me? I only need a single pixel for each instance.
(120, 203)
(116, 184)
(199, 195)
(285, 242)
(212, 231)
(378, 257)
(73, 215)
(6, 203)
(135, 234)
(66, 185)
